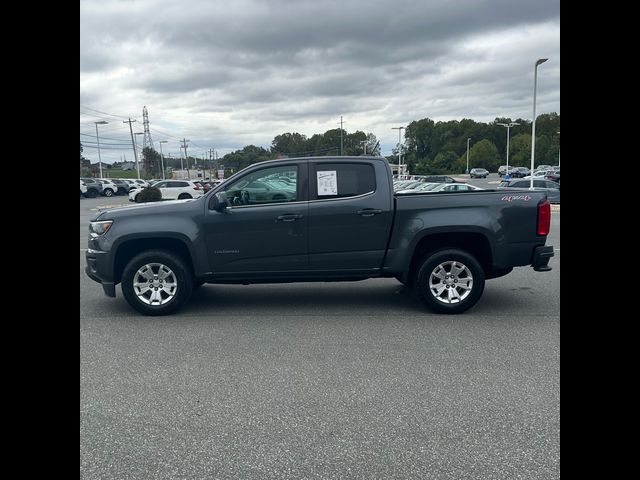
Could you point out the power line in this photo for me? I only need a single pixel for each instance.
(107, 138)
(100, 111)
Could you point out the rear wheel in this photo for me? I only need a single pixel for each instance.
(91, 193)
(157, 282)
(107, 192)
(184, 196)
(450, 281)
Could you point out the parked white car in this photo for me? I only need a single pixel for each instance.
(173, 190)
(539, 174)
(455, 187)
(132, 183)
(83, 188)
(108, 187)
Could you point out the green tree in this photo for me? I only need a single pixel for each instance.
(520, 150)
(418, 138)
(292, 144)
(151, 161)
(247, 156)
(372, 145)
(444, 162)
(484, 154)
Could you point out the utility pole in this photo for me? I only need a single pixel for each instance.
(341, 142)
(98, 139)
(184, 145)
(133, 143)
(162, 156)
(210, 163)
(364, 144)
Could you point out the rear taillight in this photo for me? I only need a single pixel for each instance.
(544, 217)
(196, 187)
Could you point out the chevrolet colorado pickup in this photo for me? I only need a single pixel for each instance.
(318, 219)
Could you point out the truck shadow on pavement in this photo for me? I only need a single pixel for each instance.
(361, 298)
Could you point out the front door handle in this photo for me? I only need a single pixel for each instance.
(368, 212)
(288, 217)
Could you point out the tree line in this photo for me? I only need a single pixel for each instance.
(428, 148)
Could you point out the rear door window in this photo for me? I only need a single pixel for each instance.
(340, 180)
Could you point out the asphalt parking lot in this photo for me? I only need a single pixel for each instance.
(322, 380)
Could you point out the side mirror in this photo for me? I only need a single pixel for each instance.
(218, 202)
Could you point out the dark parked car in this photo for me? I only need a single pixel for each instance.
(437, 179)
(94, 188)
(552, 189)
(338, 220)
(123, 186)
(519, 172)
(479, 173)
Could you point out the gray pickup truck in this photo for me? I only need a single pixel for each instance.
(318, 219)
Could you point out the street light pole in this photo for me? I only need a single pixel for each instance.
(468, 154)
(162, 156)
(533, 127)
(102, 122)
(399, 148)
(508, 125)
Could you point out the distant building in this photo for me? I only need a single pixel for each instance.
(128, 166)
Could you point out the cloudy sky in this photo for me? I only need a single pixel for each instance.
(225, 74)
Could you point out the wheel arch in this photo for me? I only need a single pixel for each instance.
(129, 248)
(474, 242)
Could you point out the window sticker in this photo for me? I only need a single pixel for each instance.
(327, 183)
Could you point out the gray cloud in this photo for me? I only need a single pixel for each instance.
(232, 73)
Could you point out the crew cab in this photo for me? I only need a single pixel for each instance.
(318, 219)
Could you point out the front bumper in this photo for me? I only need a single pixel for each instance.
(97, 262)
(540, 260)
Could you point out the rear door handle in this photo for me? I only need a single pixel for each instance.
(288, 217)
(369, 212)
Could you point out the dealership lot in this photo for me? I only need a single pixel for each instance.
(322, 380)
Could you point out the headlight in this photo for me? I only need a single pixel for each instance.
(99, 228)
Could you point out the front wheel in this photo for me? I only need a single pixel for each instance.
(107, 192)
(156, 282)
(184, 196)
(450, 281)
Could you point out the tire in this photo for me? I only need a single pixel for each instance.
(151, 265)
(184, 196)
(437, 267)
(107, 192)
(91, 193)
